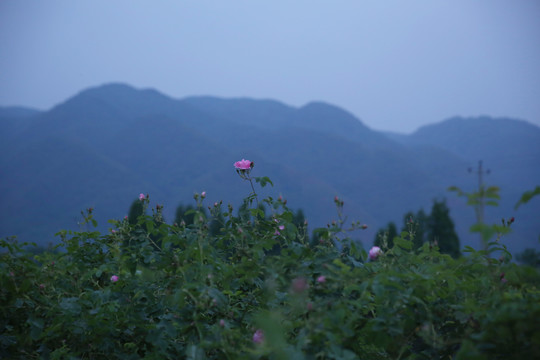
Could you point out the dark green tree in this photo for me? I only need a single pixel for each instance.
(185, 215)
(135, 210)
(386, 235)
(440, 229)
(415, 225)
(529, 257)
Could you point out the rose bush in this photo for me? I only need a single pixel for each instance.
(249, 293)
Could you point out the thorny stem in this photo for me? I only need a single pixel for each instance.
(254, 193)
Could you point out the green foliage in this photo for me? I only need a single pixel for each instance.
(198, 295)
(136, 210)
(384, 238)
(440, 229)
(529, 257)
(527, 196)
(415, 228)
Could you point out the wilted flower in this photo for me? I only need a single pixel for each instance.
(114, 278)
(258, 336)
(374, 252)
(321, 279)
(243, 164)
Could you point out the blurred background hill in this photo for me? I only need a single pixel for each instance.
(105, 145)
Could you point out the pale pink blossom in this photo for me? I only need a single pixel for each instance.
(281, 227)
(258, 336)
(374, 252)
(243, 164)
(203, 194)
(321, 279)
(141, 196)
(114, 278)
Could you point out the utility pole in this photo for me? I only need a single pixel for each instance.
(480, 203)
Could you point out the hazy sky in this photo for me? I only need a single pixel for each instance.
(395, 64)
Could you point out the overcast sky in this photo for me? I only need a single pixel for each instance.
(394, 64)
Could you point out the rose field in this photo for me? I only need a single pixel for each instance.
(255, 285)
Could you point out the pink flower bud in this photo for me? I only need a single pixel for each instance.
(141, 196)
(364, 226)
(114, 278)
(203, 194)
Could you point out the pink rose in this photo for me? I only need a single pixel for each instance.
(114, 278)
(374, 252)
(258, 336)
(243, 164)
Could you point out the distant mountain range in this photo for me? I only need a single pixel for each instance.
(105, 145)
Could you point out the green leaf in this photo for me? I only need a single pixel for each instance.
(527, 196)
(263, 181)
(405, 244)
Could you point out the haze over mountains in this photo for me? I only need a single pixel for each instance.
(105, 145)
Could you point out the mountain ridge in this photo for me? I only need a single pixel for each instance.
(126, 141)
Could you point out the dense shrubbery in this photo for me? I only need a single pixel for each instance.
(258, 289)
